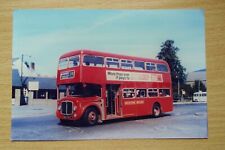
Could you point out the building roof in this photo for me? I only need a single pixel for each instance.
(201, 70)
(44, 82)
(196, 75)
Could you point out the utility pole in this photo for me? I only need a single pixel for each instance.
(23, 80)
(22, 98)
(178, 86)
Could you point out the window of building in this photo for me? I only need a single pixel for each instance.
(74, 61)
(112, 62)
(93, 61)
(63, 63)
(128, 93)
(141, 93)
(139, 65)
(40, 94)
(52, 94)
(152, 92)
(13, 92)
(164, 92)
(126, 64)
(150, 66)
(161, 67)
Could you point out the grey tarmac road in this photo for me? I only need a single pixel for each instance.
(186, 121)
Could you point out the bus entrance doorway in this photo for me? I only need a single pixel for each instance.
(112, 98)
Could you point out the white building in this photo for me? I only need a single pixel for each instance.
(46, 84)
(196, 75)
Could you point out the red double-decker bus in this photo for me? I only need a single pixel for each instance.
(96, 86)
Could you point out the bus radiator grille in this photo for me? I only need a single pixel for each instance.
(67, 108)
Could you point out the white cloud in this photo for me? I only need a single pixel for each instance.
(108, 20)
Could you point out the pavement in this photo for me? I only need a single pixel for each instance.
(41, 109)
(188, 102)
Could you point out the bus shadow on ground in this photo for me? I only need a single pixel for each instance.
(81, 124)
(132, 119)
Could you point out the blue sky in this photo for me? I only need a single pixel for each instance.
(48, 33)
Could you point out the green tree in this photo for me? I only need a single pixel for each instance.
(169, 54)
(188, 90)
(198, 86)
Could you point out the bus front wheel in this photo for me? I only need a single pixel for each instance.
(156, 110)
(90, 117)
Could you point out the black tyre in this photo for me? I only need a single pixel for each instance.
(156, 110)
(90, 117)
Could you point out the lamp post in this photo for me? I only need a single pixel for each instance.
(178, 86)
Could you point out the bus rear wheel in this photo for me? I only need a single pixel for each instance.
(156, 110)
(90, 117)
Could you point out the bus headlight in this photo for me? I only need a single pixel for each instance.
(59, 108)
(74, 108)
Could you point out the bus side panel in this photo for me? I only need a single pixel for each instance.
(68, 80)
(129, 108)
(93, 75)
(144, 106)
(166, 104)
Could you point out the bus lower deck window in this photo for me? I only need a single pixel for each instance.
(128, 93)
(152, 92)
(140, 92)
(164, 92)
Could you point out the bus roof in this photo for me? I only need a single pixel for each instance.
(104, 54)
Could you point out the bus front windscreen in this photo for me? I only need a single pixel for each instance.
(81, 90)
(69, 62)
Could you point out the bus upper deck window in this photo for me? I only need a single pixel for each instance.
(112, 62)
(161, 67)
(63, 63)
(126, 64)
(88, 60)
(93, 61)
(99, 61)
(139, 65)
(150, 66)
(74, 61)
